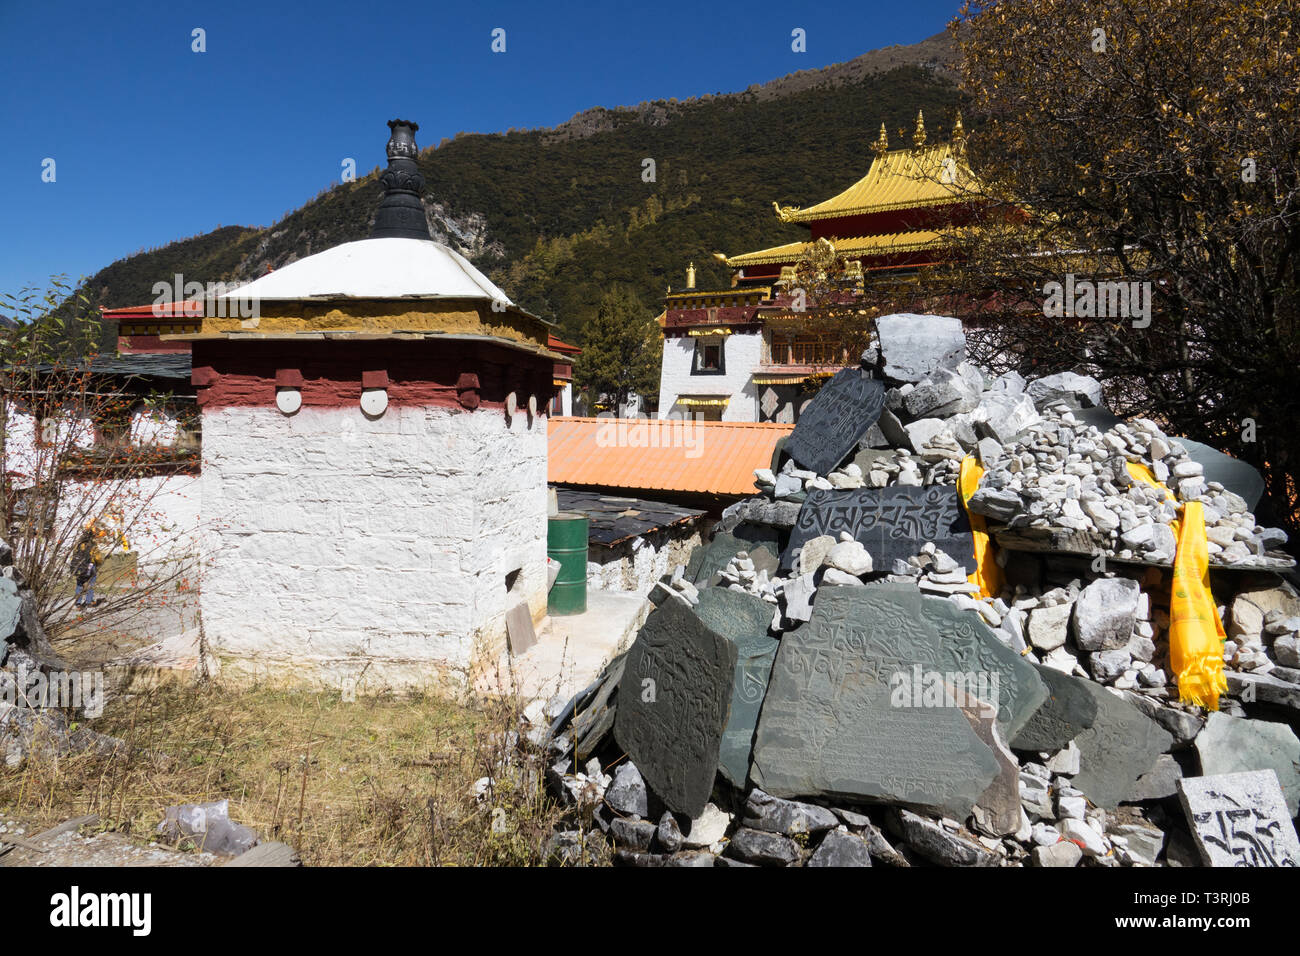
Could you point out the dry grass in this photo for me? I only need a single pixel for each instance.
(382, 781)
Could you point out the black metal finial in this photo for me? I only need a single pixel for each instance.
(401, 212)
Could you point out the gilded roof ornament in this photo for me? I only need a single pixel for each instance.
(882, 141)
(958, 135)
(918, 137)
(784, 213)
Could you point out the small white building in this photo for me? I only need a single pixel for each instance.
(374, 460)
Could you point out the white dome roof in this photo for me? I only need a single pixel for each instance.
(376, 269)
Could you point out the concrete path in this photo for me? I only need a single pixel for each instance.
(571, 650)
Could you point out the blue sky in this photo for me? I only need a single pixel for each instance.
(153, 142)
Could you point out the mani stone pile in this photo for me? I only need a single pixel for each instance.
(823, 685)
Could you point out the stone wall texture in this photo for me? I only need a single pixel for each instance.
(638, 564)
(343, 550)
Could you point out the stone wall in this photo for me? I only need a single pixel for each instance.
(742, 353)
(341, 546)
(636, 564)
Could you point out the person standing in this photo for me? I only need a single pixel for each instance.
(86, 559)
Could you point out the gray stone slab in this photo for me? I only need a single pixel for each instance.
(11, 606)
(892, 523)
(1121, 745)
(1235, 745)
(939, 846)
(841, 848)
(1066, 711)
(968, 647)
(910, 346)
(1240, 819)
(836, 419)
(594, 718)
(1157, 783)
(744, 620)
(673, 703)
(1264, 689)
(519, 628)
(832, 725)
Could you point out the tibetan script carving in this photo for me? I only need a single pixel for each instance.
(890, 522)
(1240, 819)
(835, 420)
(673, 702)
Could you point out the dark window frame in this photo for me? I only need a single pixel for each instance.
(697, 357)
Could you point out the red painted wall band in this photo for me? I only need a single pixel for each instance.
(425, 373)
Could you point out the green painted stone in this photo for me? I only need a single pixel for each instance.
(1121, 745)
(1067, 711)
(744, 620)
(673, 703)
(833, 724)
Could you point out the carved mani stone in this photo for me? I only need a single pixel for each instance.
(742, 619)
(1068, 711)
(1240, 819)
(1120, 746)
(673, 703)
(968, 649)
(833, 723)
(892, 523)
(836, 419)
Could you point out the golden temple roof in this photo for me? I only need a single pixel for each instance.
(878, 245)
(907, 178)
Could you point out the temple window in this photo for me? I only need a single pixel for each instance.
(709, 359)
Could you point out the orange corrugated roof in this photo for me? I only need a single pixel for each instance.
(692, 456)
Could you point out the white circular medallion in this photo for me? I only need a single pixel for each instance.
(288, 400)
(532, 406)
(374, 401)
(512, 403)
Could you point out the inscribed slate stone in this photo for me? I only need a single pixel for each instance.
(1234, 745)
(1240, 819)
(742, 619)
(836, 418)
(969, 649)
(673, 703)
(1067, 711)
(707, 560)
(830, 725)
(892, 523)
(1121, 745)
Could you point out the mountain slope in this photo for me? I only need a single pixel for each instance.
(556, 215)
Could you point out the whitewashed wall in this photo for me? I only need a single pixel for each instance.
(339, 546)
(742, 353)
(21, 457)
(159, 514)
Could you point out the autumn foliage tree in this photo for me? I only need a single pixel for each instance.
(822, 298)
(1155, 142)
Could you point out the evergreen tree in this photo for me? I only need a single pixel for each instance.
(621, 350)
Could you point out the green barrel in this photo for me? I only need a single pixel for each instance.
(566, 542)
